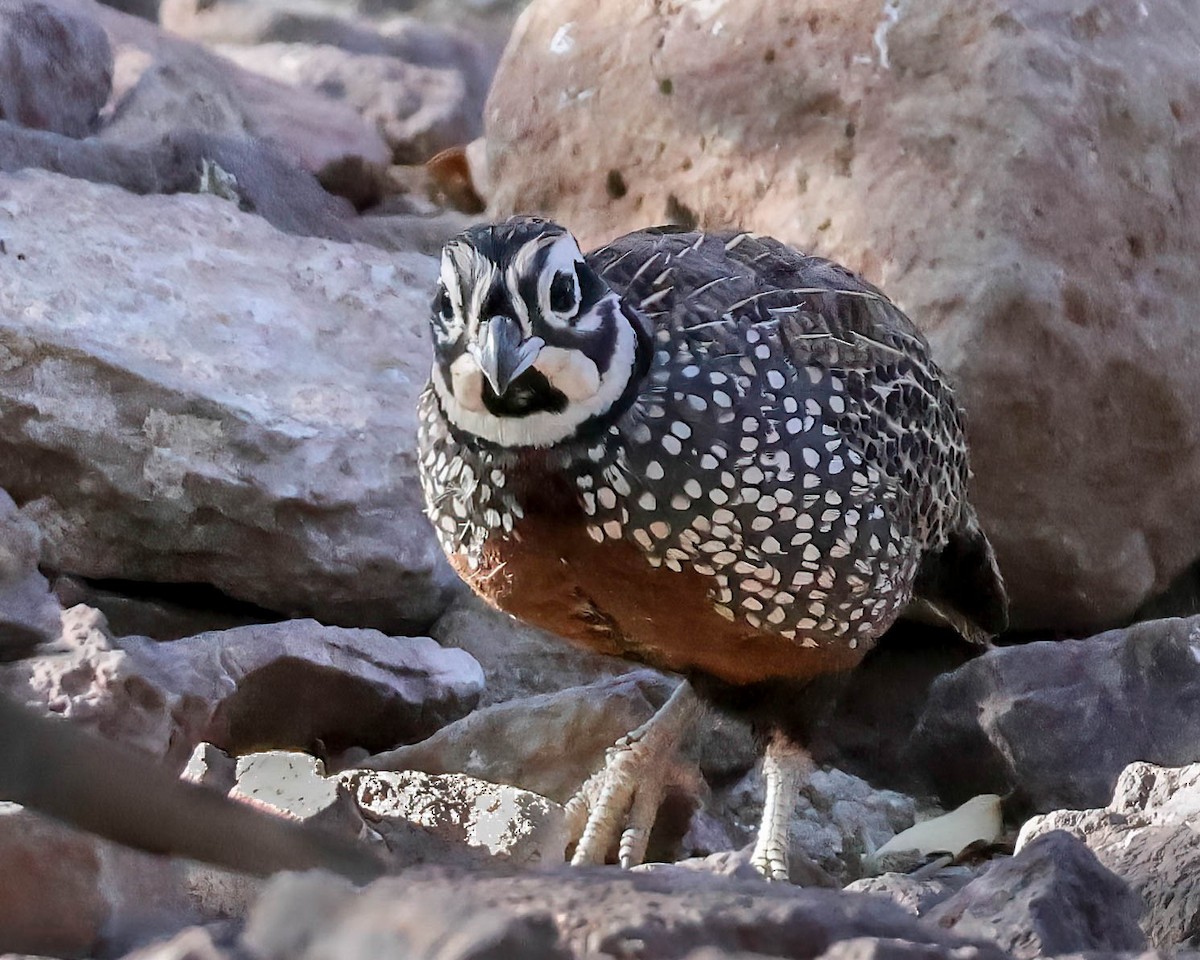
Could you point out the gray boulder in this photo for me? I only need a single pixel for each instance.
(256, 434)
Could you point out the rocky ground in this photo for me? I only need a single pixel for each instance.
(216, 228)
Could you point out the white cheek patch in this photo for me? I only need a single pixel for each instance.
(467, 382)
(569, 372)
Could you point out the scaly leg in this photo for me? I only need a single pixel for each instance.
(628, 790)
(785, 767)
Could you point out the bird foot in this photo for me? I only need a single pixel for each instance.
(785, 768)
(617, 805)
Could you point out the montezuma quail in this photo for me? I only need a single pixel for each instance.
(708, 453)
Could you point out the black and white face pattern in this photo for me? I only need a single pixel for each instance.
(529, 343)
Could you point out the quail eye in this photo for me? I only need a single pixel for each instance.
(562, 294)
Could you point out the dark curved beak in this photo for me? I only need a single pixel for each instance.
(502, 353)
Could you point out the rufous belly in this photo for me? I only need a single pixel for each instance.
(606, 597)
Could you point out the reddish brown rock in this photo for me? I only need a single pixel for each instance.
(1020, 177)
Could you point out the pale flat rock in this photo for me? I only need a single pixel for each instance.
(1149, 835)
(285, 684)
(255, 434)
(503, 821)
(916, 894)
(1013, 174)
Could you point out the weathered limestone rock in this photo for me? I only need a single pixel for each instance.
(418, 110)
(255, 434)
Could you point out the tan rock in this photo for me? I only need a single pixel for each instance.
(1016, 175)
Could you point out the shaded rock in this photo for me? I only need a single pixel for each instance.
(313, 916)
(170, 429)
(187, 86)
(55, 69)
(418, 110)
(518, 660)
(592, 913)
(855, 133)
(193, 943)
(158, 611)
(294, 684)
(288, 198)
(838, 820)
(1115, 698)
(548, 744)
(1149, 835)
(67, 893)
(503, 821)
(294, 785)
(249, 22)
(1054, 897)
(915, 894)
(211, 767)
(29, 613)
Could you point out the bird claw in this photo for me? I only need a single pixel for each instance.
(617, 805)
(785, 768)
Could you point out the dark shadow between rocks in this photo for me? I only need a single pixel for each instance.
(296, 704)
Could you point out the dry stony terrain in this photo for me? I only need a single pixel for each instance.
(247, 712)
